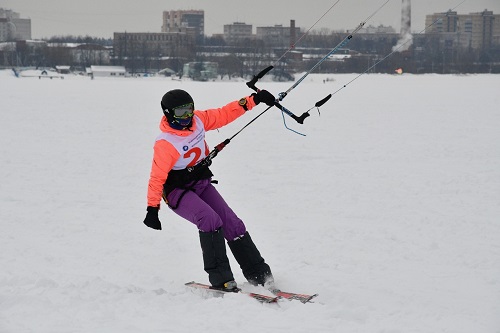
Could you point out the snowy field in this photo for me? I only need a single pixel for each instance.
(389, 208)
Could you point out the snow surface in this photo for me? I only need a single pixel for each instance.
(389, 207)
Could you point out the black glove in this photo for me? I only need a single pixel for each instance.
(152, 219)
(264, 96)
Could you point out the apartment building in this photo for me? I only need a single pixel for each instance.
(126, 44)
(480, 31)
(191, 22)
(279, 35)
(237, 31)
(13, 27)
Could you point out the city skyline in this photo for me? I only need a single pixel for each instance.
(99, 18)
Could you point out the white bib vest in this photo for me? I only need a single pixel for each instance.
(192, 148)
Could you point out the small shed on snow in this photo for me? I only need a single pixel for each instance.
(63, 69)
(108, 71)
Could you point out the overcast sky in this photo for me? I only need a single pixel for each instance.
(100, 18)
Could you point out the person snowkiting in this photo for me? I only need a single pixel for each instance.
(185, 184)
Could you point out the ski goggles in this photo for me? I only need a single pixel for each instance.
(183, 111)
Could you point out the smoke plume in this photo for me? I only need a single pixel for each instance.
(406, 38)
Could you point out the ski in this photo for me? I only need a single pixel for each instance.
(304, 298)
(259, 297)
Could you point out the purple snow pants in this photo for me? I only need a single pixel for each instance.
(205, 207)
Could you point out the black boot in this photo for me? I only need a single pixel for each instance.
(215, 260)
(254, 268)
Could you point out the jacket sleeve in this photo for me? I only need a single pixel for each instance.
(164, 158)
(216, 118)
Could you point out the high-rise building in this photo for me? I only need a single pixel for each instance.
(189, 21)
(441, 22)
(478, 31)
(13, 27)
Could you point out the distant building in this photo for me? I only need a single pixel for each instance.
(152, 51)
(278, 35)
(13, 27)
(480, 31)
(237, 31)
(63, 69)
(107, 71)
(373, 40)
(191, 22)
(381, 29)
(87, 53)
(441, 22)
(128, 44)
(79, 54)
(5, 30)
(200, 71)
(21, 52)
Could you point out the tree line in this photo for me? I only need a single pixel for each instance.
(427, 54)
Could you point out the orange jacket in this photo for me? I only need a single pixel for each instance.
(166, 155)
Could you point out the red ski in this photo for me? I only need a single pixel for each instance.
(304, 298)
(259, 297)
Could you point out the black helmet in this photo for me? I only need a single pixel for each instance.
(175, 98)
(171, 100)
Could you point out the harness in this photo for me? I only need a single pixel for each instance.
(186, 179)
